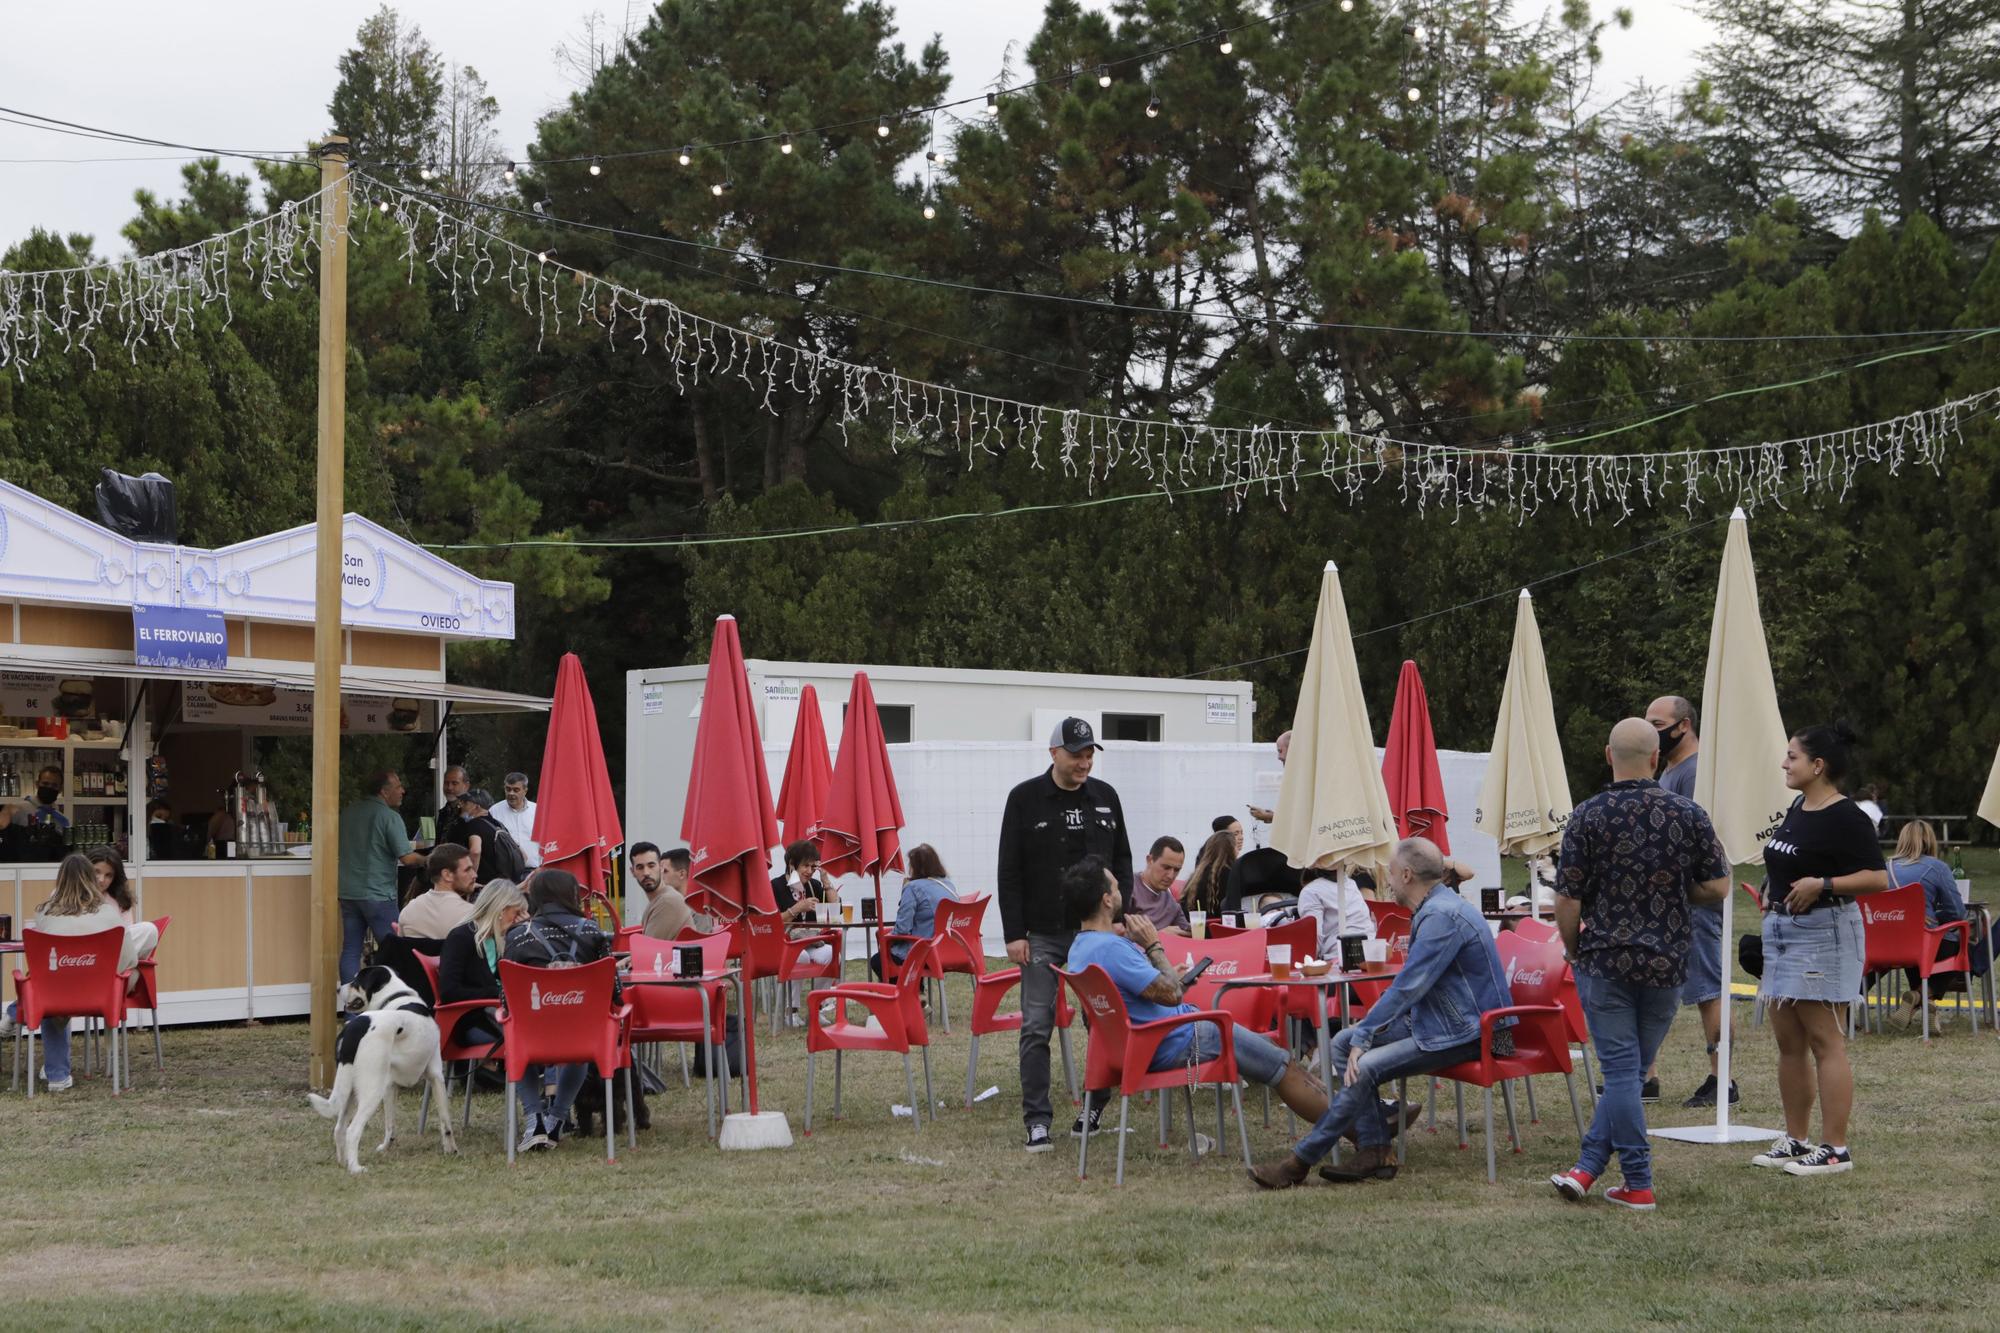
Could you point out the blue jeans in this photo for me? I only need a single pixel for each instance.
(55, 1045)
(1627, 1024)
(1256, 1059)
(376, 916)
(1357, 1106)
(553, 1110)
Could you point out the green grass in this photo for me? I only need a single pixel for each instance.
(209, 1196)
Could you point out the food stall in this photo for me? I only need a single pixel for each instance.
(132, 671)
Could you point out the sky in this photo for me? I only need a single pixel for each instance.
(257, 75)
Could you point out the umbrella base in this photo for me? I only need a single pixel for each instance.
(743, 1131)
(1714, 1133)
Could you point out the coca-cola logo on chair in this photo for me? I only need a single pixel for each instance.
(539, 998)
(59, 961)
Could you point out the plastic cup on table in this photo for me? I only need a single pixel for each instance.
(1375, 955)
(1280, 959)
(847, 912)
(1198, 925)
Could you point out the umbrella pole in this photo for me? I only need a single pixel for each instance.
(1722, 1131)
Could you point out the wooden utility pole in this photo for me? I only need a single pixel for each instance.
(327, 542)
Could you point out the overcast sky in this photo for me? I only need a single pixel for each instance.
(255, 74)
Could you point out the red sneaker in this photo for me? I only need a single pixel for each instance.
(1637, 1200)
(1573, 1184)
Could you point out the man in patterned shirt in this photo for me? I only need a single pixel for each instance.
(1635, 860)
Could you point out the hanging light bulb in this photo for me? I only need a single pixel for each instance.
(1226, 45)
(1420, 32)
(1104, 76)
(785, 144)
(1153, 108)
(544, 255)
(1415, 94)
(930, 210)
(424, 173)
(882, 128)
(721, 188)
(509, 172)
(1347, 6)
(687, 154)
(597, 166)
(930, 156)
(382, 207)
(993, 104)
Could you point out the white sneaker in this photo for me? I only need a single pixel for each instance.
(1783, 1150)
(9, 1025)
(1824, 1160)
(64, 1086)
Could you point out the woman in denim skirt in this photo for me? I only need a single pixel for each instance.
(1819, 860)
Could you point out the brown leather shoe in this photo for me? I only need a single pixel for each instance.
(1281, 1175)
(1363, 1164)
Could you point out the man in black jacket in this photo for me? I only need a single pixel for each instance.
(1052, 822)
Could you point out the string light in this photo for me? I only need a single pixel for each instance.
(721, 188)
(882, 128)
(509, 172)
(1226, 45)
(1415, 94)
(687, 154)
(1153, 107)
(785, 144)
(597, 166)
(544, 255)
(992, 104)
(382, 207)
(1347, 6)
(424, 173)
(1419, 32)
(930, 210)
(1104, 76)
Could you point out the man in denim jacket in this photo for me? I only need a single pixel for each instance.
(1428, 1019)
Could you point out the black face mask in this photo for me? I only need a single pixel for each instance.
(1669, 740)
(46, 795)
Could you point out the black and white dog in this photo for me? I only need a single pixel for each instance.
(390, 1042)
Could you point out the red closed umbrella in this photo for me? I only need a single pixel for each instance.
(860, 832)
(808, 772)
(1410, 764)
(576, 820)
(728, 823)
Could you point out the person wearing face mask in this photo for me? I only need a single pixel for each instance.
(1673, 720)
(48, 790)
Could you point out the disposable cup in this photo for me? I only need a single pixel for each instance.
(1280, 957)
(1198, 925)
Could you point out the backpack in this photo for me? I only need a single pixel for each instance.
(505, 855)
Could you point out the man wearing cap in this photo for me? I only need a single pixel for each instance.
(1052, 822)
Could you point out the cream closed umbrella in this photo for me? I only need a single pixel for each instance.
(1332, 806)
(1737, 778)
(1524, 801)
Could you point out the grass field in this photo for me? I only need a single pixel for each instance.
(209, 1196)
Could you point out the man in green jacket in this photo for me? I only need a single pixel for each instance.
(372, 842)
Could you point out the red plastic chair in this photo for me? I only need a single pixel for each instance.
(564, 1015)
(1121, 1052)
(1380, 908)
(898, 1025)
(674, 1013)
(988, 990)
(450, 1051)
(1259, 1009)
(958, 929)
(768, 952)
(81, 980)
(1895, 936)
(1541, 1038)
(145, 994)
(1536, 932)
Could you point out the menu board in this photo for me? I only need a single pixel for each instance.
(281, 708)
(45, 694)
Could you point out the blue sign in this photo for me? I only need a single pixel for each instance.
(179, 637)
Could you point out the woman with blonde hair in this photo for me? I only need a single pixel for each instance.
(1916, 862)
(77, 907)
(469, 966)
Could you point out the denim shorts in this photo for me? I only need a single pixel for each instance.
(1815, 956)
(1704, 974)
(1256, 1058)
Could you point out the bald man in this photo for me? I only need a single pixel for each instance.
(1635, 860)
(1283, 745)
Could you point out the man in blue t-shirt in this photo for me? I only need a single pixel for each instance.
(1673, 720)
(1151, 988)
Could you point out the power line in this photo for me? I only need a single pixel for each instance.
(52, 125)
(1159, 311)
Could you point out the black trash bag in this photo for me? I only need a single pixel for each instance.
(141, 508)
(1750, 954)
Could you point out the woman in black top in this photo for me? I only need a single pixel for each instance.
(1819, 860)
(796, 891)
(469, 966)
